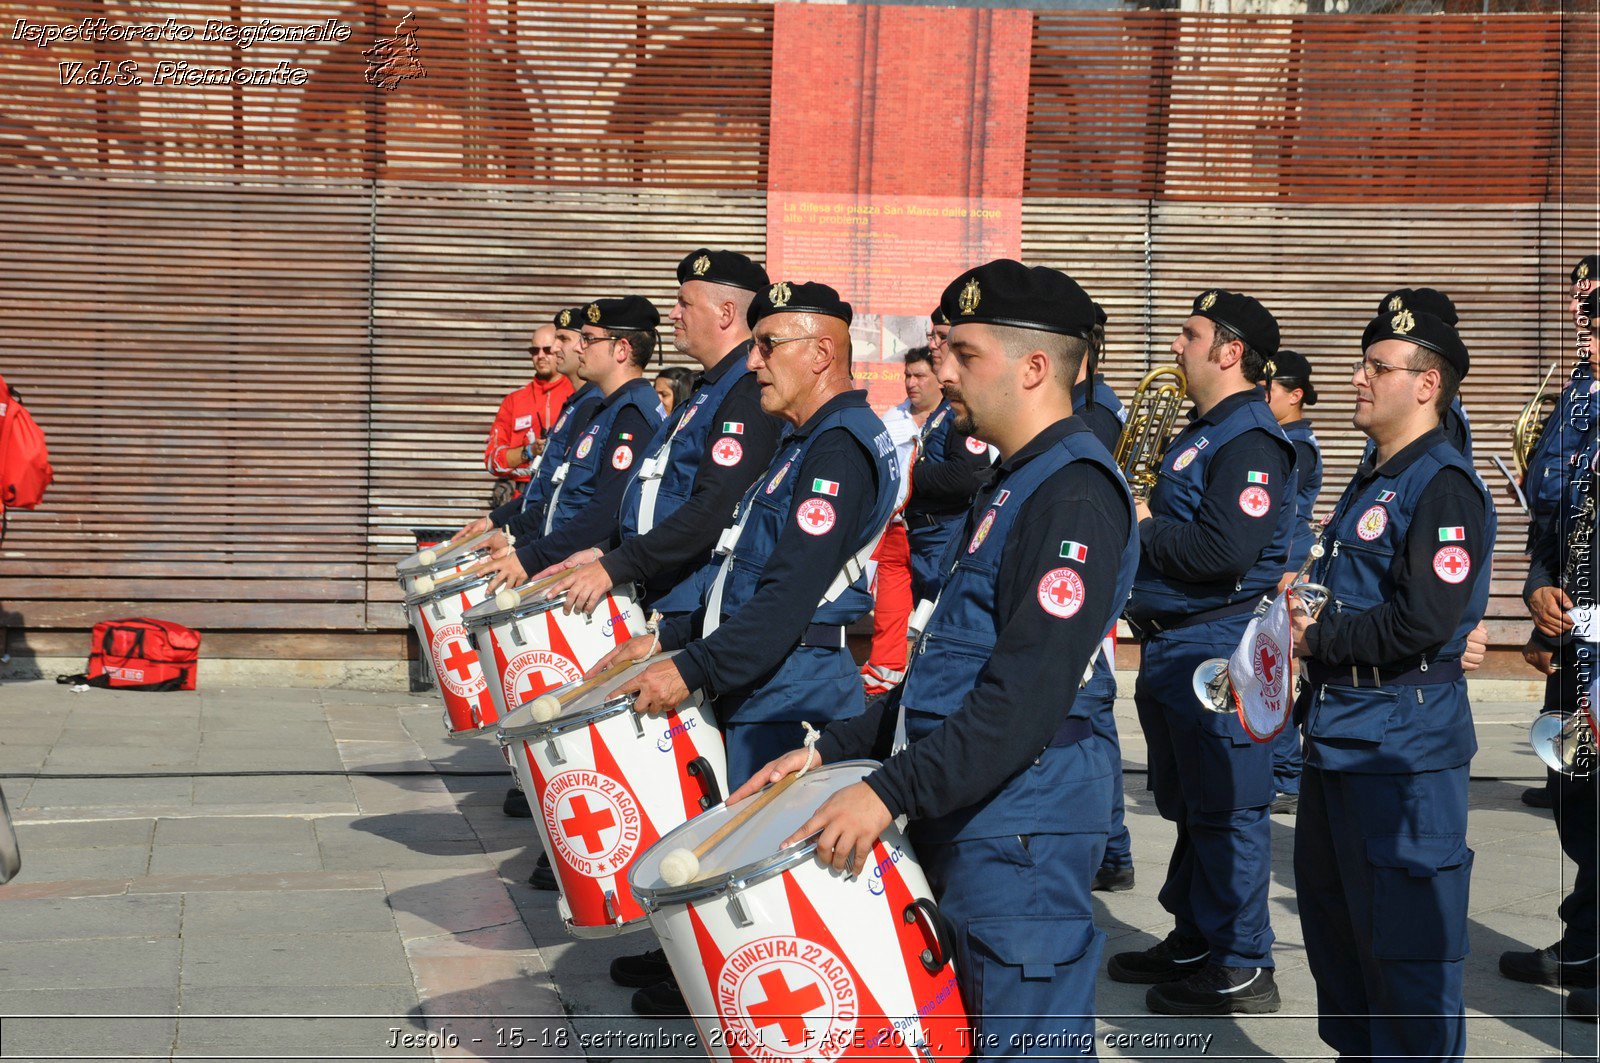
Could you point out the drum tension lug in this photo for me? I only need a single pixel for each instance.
(737, 910)
(611, 908)
(638, 724)
(516, 635)
(700, 768)
(553, 749)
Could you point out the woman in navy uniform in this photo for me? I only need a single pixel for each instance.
(1382, 867)
(1214, 539)
(1007, 791)
(1574, 961)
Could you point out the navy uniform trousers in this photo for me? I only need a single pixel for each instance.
(1100, 695)
(1215, 783)
(1574, 802)
(1382, 870)
(1018, 961)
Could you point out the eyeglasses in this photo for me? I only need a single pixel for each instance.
(1372, 369)
(765, 344)
(586, 341)
(536, 351)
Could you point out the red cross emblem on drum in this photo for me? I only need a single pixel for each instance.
(1267, 658)
(1061, 592)
(815, 516)
(593, 821)
(535, 672)
(457, 662)
(1452, 564)
(789, 999)
(726, 451)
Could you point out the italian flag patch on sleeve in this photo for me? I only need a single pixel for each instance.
(1258, 477)
(733, 428)
(1452, 535)
(824, 487)
(1074, 551)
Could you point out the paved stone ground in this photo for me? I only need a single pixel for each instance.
(226, 911)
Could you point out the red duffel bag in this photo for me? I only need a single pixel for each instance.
(141, 654)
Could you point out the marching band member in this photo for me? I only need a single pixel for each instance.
(892, 600)
(950, 464)
(1574, 961)
(767, 643)
(1214, 537)
(1008, 795)
(1097, 405)
(619, 336)
(1382, 866)
(1289, 390)
(701, 459)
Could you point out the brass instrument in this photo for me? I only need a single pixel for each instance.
(1565, 740)
(1152, 412)
(1530, 424)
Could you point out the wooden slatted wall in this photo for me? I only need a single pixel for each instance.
(267, 329)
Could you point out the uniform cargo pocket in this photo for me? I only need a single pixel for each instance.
(1420, 886)
(1352, 713)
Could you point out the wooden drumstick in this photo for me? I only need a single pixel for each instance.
(682, 866)
(547, 707)
(511, 597)
(426, 584)
(433, 554)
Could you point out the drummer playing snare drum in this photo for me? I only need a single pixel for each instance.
(1007, 795)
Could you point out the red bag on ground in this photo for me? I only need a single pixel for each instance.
(141, 654)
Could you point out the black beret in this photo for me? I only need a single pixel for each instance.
(1005, 292)
(721, 267)
(570, 319)
(1586, 268)
(1245, 316)
(1428, 300)
(800, 297)
(631, 313)
(939, 317)
(1100, 315)
(1423, 329)
(1293, 371)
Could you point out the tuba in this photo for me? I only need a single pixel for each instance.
(1152, 412)
(1530, 425)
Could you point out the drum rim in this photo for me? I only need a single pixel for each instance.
(742, 877)
(458, 560)
(445, 590)
(560, 725)
(533, 607)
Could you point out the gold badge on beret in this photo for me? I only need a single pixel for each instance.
(1403, 322)
(970, 297)
(1583, 271)
(1397, 303)
(700, 265)
(1209, 301)
(780, 294)
(565, 319)
(1271, 368)
(593, 313)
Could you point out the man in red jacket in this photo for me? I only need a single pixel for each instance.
(525, 417)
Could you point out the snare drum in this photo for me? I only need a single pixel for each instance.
(445, 562)
(436, 616)
(607, 783)
(798, 961)
(534, 647)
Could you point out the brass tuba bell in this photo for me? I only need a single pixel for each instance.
(1530, 425)
(1152, 412)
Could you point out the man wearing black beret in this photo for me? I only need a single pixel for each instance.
(1455, 422)
(1382, 866)
(1214, 539)
(702, 458)
(619, 336)
(990, 749)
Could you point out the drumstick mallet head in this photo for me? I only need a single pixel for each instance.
(682, 866)
(507, 598)
(423, 585)
(427, 557)
(544, 708)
